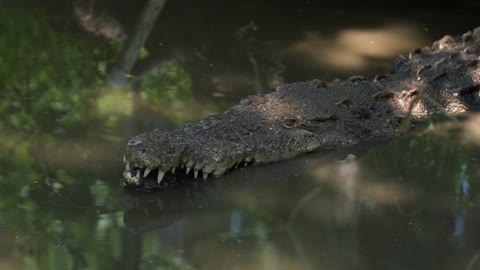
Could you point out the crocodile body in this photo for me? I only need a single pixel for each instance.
(307, 116)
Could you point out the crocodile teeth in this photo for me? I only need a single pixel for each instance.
(188, 169)
(146, 172)
(138, 176)
(205, 175)
(160, 176)
(127, 166)
(173, 170)
(195, 174)
(124, 159)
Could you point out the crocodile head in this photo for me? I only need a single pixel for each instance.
(307, 116)
(294, 119)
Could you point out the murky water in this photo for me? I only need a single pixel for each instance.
(409, 202)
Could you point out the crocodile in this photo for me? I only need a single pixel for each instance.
(307, 116)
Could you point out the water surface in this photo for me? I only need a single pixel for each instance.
(408, 202)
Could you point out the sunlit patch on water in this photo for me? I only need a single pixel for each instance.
(353, 49)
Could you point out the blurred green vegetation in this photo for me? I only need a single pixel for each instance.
(175, 100)
(432, 165)
(60, 194)
(60, 199)
(49, 77)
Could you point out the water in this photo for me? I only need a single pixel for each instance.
(409, 202)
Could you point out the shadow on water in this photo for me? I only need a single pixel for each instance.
(410, 202)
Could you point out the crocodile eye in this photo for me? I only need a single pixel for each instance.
(289, 123)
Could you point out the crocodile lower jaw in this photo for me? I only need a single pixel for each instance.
(154, 178)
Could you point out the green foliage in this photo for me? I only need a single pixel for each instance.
(53, 97)
(49, 80)
(167, 89)
(48, 76)
(431, 165)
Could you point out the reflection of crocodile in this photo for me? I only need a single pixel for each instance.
(306, 116)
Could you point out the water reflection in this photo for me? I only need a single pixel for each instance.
(63, 126)
(358, 49)
(462, 195)
(328, 212)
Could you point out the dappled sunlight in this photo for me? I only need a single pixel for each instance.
(472, 128)
(421, 169)
(467, 129)
(115, 102)
(387, 192)
(354, 48)
(65, 153)
(260, 255)
(348, 178)
(386, 42)
(71, 154)
(165, 95)
(167, 89)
